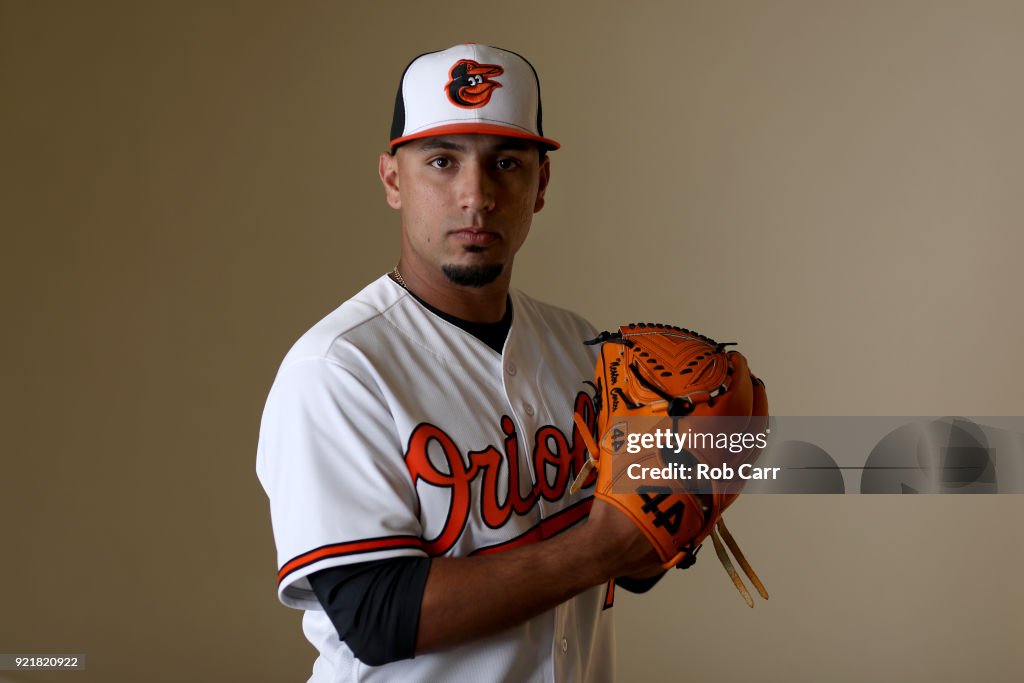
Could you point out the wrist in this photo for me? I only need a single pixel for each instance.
(602, 557)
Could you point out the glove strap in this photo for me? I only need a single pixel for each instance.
(592, 452)
(747, 569)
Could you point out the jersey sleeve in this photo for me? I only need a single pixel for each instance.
(331, 463)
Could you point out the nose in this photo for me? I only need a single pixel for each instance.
(475, 188)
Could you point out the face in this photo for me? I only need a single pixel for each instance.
(467, 202)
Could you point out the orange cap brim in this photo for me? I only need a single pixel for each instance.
(475, 129)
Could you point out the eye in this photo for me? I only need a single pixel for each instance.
(508, 164)
(441, 162)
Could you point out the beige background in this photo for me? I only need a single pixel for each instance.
(187, 186)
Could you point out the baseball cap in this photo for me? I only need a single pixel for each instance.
(468, 88)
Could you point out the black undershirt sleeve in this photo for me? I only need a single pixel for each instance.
(375, 606)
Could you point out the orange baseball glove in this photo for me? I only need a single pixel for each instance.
(679, 419)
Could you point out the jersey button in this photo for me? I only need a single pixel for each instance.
(565, 645)
(529, 410)
(510, 368)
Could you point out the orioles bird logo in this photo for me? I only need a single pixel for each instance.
(470, 86)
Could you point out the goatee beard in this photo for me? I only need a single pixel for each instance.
(472, 276)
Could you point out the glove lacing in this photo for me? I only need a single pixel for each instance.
(723, 557)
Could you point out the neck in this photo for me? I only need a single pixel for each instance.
(476, 304)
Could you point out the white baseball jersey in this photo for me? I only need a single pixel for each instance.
(389, 431)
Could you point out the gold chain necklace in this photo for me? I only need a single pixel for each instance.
(397, 277)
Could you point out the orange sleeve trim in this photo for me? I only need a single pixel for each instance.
(609, 597)
(352, 548)
(547, 528)
(552, 526)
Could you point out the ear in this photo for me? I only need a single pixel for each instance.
(388, 171)
(545, 176)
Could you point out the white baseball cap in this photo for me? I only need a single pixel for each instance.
(469, 88)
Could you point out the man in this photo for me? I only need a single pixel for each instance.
(417, 445)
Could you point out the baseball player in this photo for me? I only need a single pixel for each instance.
(418, 443)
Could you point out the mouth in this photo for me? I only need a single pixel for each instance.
(474, 237)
